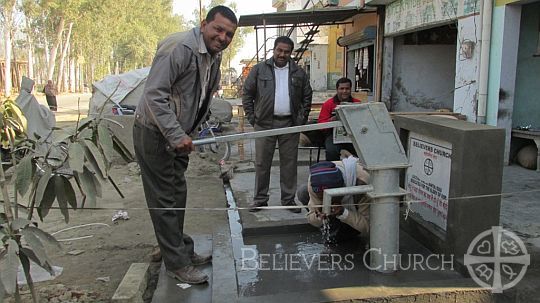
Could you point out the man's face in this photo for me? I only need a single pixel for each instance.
(282, 54)
(344, 91)
(218, 33)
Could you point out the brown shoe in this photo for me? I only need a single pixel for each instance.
(253, 209)
(197, 259)
(293, 210)
(188, 274)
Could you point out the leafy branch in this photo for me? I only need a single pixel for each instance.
(75, 162)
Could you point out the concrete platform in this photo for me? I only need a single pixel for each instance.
(280, 233)
(167, 289)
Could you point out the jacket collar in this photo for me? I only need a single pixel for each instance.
(292, 66)
(193, 41)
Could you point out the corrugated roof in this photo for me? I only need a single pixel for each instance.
(322, 16)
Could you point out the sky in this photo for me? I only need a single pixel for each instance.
(244, 7)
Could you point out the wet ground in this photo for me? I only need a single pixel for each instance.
(274, 255)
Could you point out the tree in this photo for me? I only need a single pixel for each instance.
(104, 34)
(8, 7)
(41, 173)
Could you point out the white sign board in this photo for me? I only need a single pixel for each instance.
(428, 178)
(407, 15)
(340, 135)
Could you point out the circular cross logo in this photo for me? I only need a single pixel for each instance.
(497, 259)
(428, 167)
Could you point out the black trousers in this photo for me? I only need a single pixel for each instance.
(162, 173)
(332, 151)
(51, 101)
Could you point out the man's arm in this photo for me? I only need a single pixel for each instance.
(306, 101)
(358, 219)
(314, 214)
(157, 93)
(249, 94)
(325, 115)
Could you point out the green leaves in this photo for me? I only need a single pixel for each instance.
(122, 150)
(9, 272)
(105, 142)
(45, 194)
(24, 173)
(76, 157)
(37, 247)
(44, 236)
(65, 191)
(95, 159)
(20, 223)
(2, 291)
(62, 196)
(86, 180)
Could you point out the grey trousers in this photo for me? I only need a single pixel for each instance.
(288, 158)
(164, 184)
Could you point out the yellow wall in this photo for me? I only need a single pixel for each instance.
(335, 52)
(504, 2)
(360, 22)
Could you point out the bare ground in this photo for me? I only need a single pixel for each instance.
(94, 275)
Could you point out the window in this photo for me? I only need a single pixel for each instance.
(360, 68)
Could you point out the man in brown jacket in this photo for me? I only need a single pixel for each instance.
(177, 94)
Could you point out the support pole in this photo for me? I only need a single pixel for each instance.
(384, 221)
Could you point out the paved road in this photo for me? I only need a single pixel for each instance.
(68, 105)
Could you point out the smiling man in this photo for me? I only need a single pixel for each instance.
(277, 94)
(183, 77)
(328, 113)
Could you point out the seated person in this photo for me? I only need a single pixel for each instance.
(350, 214)
(327, 114)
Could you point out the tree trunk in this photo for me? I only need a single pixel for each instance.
(30, 54)
(54, 50)
(72, 79)
(61, 72)
(92, 71)
(77, 76)
(8, 17)
(47, 57)
(16, 67)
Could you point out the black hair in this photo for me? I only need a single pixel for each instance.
(343, 80)
(222, 10)
(284, 39)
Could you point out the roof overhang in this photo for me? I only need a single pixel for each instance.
(321, 16)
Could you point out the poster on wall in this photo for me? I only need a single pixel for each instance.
(428, 178)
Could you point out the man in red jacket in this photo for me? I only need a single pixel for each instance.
(327, 114)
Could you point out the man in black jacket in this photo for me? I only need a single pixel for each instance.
(277, 94)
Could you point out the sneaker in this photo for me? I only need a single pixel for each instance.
(197, 259)
(293, 210)
(188, 274)
(253, 209)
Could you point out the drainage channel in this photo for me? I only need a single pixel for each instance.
(235, 225)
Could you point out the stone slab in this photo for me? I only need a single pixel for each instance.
(133, 285)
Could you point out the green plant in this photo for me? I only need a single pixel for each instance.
(49, 171)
